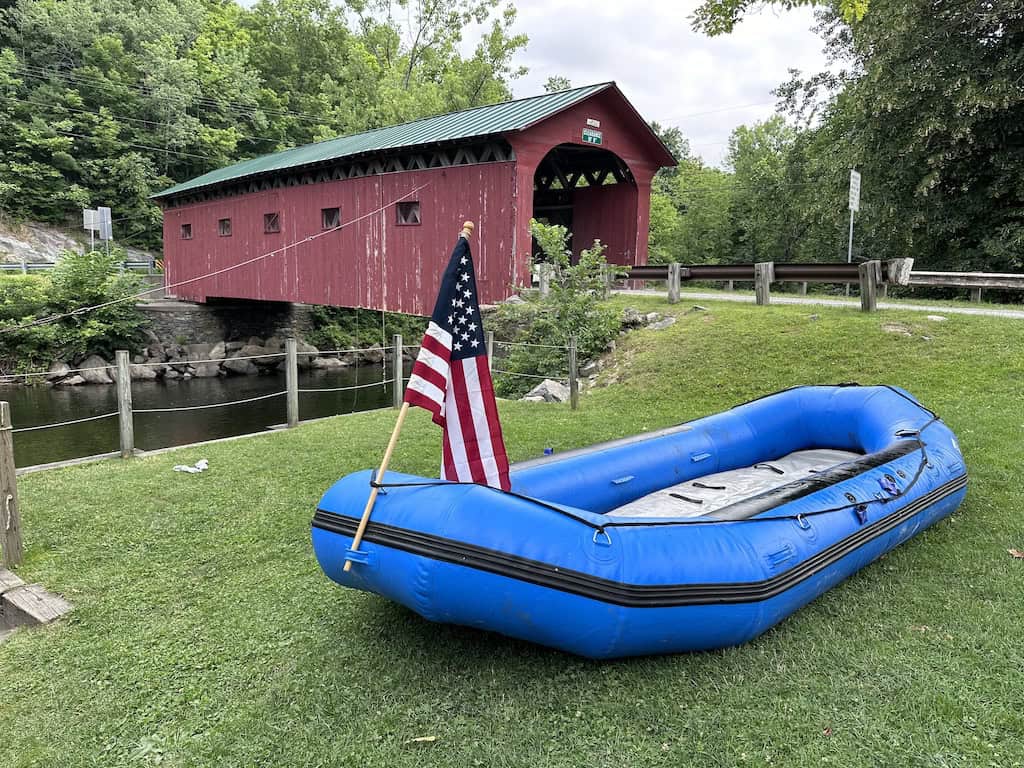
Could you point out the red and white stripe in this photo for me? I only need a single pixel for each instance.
(460, 395)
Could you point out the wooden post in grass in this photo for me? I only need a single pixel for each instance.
(764, 273)
(397, 371)
(291, 380)
(976, 295)
(11, 548)
(467, 230)
(490, 350)
(869, 272)
(730, 285)
(803, 288)
(574, 381)
(124, 403)
(674, 278)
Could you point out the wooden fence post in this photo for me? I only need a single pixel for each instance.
(124, 403)
(976, 295)
(490, 350)
(730, 285)
(803, 288)
(397, 371)
(869, 273)
(291, 380)
(764, 273)
(574, 382)
(673, 282)
(10, 518)
(883, 290)
(544, 278)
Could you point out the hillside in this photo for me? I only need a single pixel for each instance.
(38, 243)
(205, 634)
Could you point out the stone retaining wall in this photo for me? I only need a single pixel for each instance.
(185, 322)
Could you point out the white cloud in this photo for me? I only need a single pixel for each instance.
(671, 74)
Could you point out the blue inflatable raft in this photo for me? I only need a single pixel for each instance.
(694, 537)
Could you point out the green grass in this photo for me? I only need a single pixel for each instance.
(204, 633)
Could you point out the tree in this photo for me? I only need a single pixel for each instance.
(557, 83)
(767, 225)
(717, 17)
(104, 102)
(929, 106)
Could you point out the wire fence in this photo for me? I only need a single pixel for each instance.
(291, 354)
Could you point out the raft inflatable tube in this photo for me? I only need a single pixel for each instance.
(694, 537)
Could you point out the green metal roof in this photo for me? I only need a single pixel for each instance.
(469, 123)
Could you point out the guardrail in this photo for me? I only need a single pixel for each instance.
(26, 267)
(873, 276)
(883, 274)
(976, 281)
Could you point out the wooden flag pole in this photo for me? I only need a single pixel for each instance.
(467, 230)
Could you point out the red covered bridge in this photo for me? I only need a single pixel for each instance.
(582, 157)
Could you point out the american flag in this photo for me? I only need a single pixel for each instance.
(452, 380)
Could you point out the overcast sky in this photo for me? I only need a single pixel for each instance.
(670, 73)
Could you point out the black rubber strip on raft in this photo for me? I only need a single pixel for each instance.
(619, 593)
(776, 497)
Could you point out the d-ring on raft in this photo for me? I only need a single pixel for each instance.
(695, 537)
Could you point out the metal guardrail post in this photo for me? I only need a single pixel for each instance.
(124, 403)
(764, 273)
(574, 381)
(397, 371)
(11, 548)
(291, 378)
(490, 350)
(674, 277)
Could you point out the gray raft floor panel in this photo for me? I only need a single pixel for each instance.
(704, 495)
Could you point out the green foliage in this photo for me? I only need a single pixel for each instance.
(718, 17)
(573, 307)
(934, 128)
(79, 280)
(107, 101)
(343, 328)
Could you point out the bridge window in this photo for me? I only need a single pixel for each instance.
(271, 222)
(224, 227)
(186, 231)
(330, 218)
(409, 213)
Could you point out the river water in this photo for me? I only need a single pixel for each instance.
(35, 405)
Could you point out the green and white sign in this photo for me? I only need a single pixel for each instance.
(590, 136)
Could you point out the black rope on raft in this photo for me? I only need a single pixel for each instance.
(600, 527)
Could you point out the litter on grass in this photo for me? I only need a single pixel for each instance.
(200, 466)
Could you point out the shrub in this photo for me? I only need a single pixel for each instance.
(345, 328)
(79, 280)
(573, 307)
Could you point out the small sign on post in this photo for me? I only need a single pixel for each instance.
(854, 207)
(104, 226)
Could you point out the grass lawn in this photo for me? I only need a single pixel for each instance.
(204, 633)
